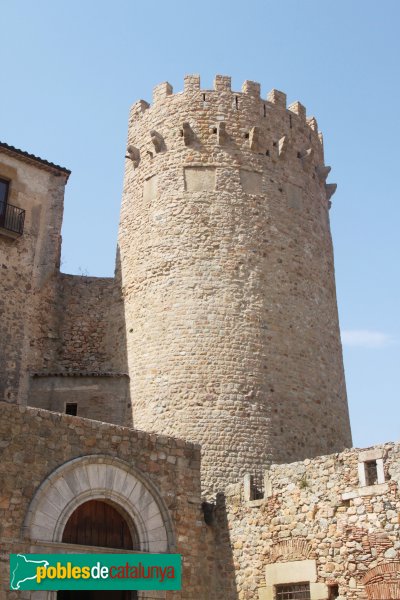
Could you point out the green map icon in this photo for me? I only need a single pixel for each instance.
(23, 569)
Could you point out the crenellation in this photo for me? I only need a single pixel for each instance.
(192, 83)
(222, 83)
(161, 91)
(277, 98)
(251, 88)
(240, 111)
(298, 109)
(138, 109)
(312, 123)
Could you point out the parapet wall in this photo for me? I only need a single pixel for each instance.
(319, 511)
(228, 278)
(36, 444)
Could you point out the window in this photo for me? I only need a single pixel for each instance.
(292, 591)
(257, 486)
(4, 185)
(71, 408)
(11, 217)
(371, 472)
(333, 592)
(371, 468)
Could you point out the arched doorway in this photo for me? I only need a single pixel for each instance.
(113, 482)
(98, 523)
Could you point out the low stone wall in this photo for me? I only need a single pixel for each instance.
(35, 444)
(318, 510)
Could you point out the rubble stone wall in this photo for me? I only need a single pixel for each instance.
(316, 510)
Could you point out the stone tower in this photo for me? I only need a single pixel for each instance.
(228, 279)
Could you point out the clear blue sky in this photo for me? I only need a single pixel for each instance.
(70, 71)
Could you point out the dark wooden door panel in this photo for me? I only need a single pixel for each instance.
(96, 523)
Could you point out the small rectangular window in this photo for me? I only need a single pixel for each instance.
(371, 472)
(257, 486)
(293, 591)
(4, 185)
(333, 591)
(71, 408)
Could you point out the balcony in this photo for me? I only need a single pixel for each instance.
(11, 220)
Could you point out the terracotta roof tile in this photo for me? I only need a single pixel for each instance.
(31, 157)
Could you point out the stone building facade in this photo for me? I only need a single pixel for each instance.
(198, 396)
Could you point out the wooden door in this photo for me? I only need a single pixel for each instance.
(96, 523)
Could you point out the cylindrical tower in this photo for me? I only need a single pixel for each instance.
(228, 279)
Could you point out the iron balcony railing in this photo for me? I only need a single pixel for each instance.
(12, 218)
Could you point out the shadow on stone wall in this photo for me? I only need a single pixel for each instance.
(81, 354)
(226, 577)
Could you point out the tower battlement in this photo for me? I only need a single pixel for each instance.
(219, 125)
(222, 84)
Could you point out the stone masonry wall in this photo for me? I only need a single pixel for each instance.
(102, 397)
(228, 278)
(27, 265)
(80, 351)
(316, 510)
(91, 331)
(35, 442)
